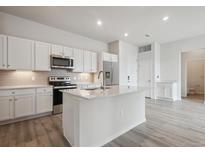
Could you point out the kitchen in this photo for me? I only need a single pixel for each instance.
(71, 86)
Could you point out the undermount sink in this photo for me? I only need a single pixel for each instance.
(103, 88)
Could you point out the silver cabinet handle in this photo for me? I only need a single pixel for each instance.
(10, 100)
(3, 65)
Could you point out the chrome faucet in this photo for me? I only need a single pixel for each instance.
(102, 83)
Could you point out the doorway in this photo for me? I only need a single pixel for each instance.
(193, 70)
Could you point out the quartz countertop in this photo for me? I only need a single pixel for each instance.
(23, 87)
(99, 93)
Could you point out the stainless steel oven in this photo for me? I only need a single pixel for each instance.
(59, 83)
(62, 62)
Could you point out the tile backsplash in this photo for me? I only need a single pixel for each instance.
(15, 78)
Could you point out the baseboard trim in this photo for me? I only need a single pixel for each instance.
(24, 118)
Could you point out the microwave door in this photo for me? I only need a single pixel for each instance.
(58, 62)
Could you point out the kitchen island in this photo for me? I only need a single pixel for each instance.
(94, 117)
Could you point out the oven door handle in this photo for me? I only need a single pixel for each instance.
(60, 87)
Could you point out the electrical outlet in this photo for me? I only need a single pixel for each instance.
(33, 78)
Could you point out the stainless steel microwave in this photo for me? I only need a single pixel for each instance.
(62, 62)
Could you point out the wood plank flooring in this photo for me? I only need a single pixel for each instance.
(168, 124)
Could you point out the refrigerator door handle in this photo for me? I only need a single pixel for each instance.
(111, 74)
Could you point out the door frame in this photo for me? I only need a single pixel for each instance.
(185, 71)
(186, 67)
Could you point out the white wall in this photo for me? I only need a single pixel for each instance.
(12, 25)
(170, 58)
(195, 75)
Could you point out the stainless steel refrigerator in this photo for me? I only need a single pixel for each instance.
(110, 73)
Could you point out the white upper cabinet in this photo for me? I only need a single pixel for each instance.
(3, 52)
(78, 60)
(94, 62)
(20, 53)
(57, 50)
(68, 52)
(42, 56)
(114, 58)
(109, 57)
(87, 61)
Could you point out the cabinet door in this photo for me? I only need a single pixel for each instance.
(44, 103)
(6, 108)
(94, 62)
(24, 105)
(87, 61)
(57, 50)
(168, 91)
(42, 56)
(68, 52)
(78, 60)
(20, 53)
(3, 52)
(114, 58)
(107, 57)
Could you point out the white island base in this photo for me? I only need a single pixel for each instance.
(96, 117)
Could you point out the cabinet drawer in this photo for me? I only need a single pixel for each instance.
(24, 91)
(44, 90)
(7, 92)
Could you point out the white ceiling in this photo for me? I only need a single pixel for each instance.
(183, 22)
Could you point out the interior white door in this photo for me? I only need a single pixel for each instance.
(6, 106)
(20, 53)
(42, 56)
(3, 52)
(24, 105)
(44, 103)
(145, 72)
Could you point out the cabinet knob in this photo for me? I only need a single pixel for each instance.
(3, 65)
(8, 65)
(10, 100)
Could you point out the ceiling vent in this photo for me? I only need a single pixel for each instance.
(145, 48)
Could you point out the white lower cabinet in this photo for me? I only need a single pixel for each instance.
(25, 102)
(6, 108)
(44, 100)
(167, 90)
(24, 105)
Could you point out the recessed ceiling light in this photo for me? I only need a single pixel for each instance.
(126, 34)
(147, 35)
(99, 22)
(165, 18)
